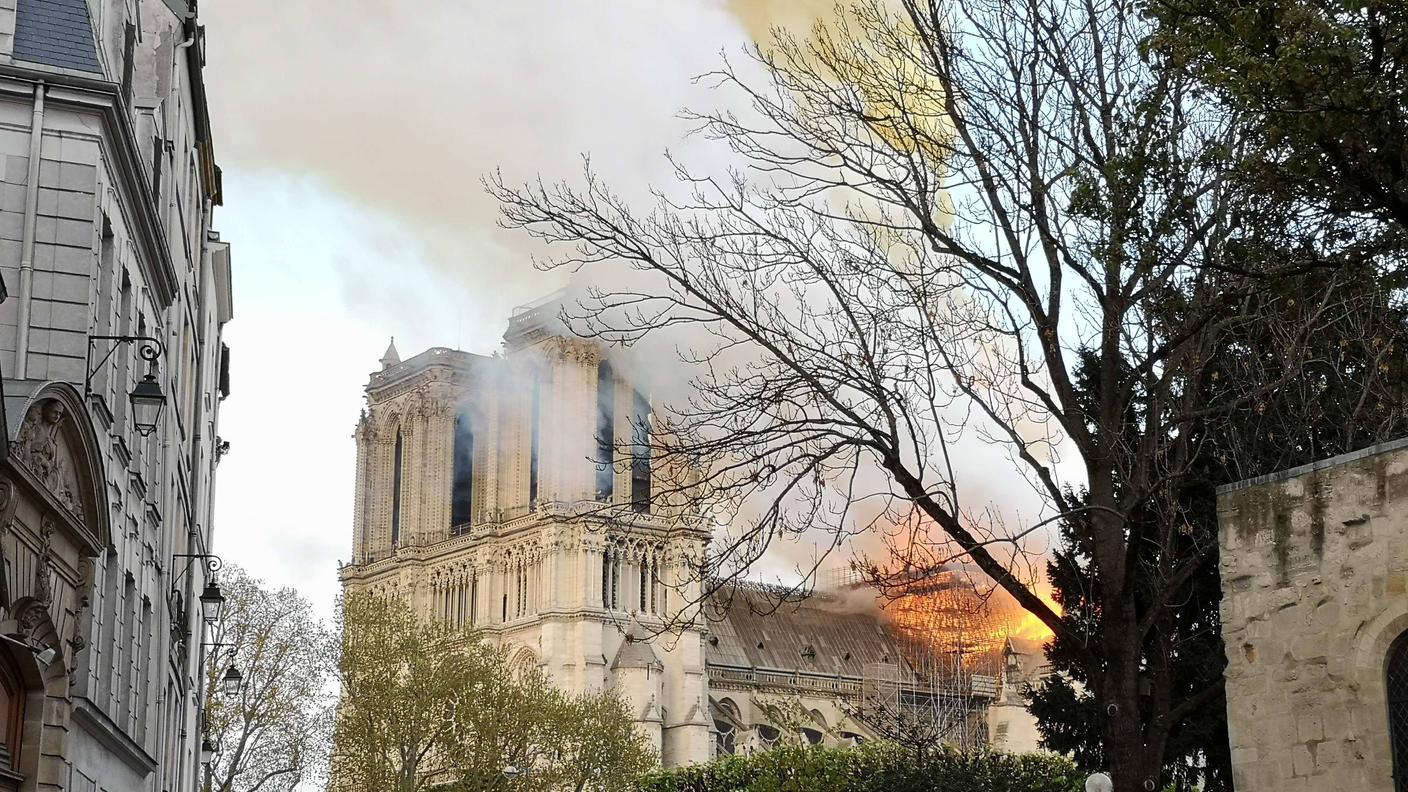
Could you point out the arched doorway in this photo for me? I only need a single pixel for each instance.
(12, 712)
(1397, 687)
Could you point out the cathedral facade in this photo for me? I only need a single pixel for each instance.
(511, 493)
(515, 493)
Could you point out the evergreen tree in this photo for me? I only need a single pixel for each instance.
(1348, 395)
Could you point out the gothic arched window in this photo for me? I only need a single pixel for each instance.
(1398, 710)
(640, 461)
(462, 482)
(534, 440)
(396, 492)
(605, 432)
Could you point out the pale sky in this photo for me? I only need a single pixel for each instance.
(353, 137)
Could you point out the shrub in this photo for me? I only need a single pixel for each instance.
(873, 767)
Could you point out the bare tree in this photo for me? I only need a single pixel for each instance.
(975, 220)
(273, 733)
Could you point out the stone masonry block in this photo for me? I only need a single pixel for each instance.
(75, 233)
(14, 142)
(12, 197)
(70, 288)
(79, 150)
(77, 206)
(48, 173)
(75, 260)
(16, 169)
(46, 230)
(66, 315)
(48, 201)
(73, 176)
(11, 225)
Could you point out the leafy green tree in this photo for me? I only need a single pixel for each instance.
(429, 706)
(1324, 84)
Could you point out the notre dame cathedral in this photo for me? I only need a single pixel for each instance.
(513, 493)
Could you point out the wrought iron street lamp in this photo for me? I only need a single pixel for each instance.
(232, 680)
(147, 403)
(207, 750)
(212, 601)
(147, 398)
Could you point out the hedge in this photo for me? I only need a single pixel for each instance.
(872, 767)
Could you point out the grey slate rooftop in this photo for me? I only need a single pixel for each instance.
(56, 33)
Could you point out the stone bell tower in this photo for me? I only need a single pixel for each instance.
(514, 493)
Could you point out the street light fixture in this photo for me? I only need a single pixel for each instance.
(212, 601)
(147, 398)
(231, 681)
(207, 750)
(147, 403)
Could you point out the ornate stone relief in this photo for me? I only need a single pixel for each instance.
(43, 451)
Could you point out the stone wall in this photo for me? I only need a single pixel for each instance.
(1314, 572)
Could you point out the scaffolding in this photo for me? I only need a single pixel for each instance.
(952, 654)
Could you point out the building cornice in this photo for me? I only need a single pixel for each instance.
(96, 723)
(104, 99)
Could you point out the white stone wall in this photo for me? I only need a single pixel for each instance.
(534, 568)
(1315, 590)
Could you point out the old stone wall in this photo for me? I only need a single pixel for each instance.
(1314, 572)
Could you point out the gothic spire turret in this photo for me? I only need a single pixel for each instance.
(391, 357)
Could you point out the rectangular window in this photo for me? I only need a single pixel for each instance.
(605, 579)
(396, 493)
(605, 432)
(640, 453)
(473, 598)
(534, 442)
(461, 497)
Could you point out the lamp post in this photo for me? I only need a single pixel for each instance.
(212, 609)
(147, 398)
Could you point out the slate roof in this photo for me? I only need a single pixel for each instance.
(56, 33)
(823, 634)
(635, 654)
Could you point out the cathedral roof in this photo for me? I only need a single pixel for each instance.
(825, 633)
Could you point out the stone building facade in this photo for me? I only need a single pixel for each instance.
(107, 186)
(479, 500)
(1315, 619)
(486, 495)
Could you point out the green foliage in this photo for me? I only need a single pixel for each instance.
(429, 706)
(1348, 393)
(1324, 86)
(873, 767)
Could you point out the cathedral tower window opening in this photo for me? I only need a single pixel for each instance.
(610, 578)
(396, 491)
(521, 578)
(535, 441)
(1397, 684)
(640, 456)
(462, 486)
(649, 585)
(605, 432)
